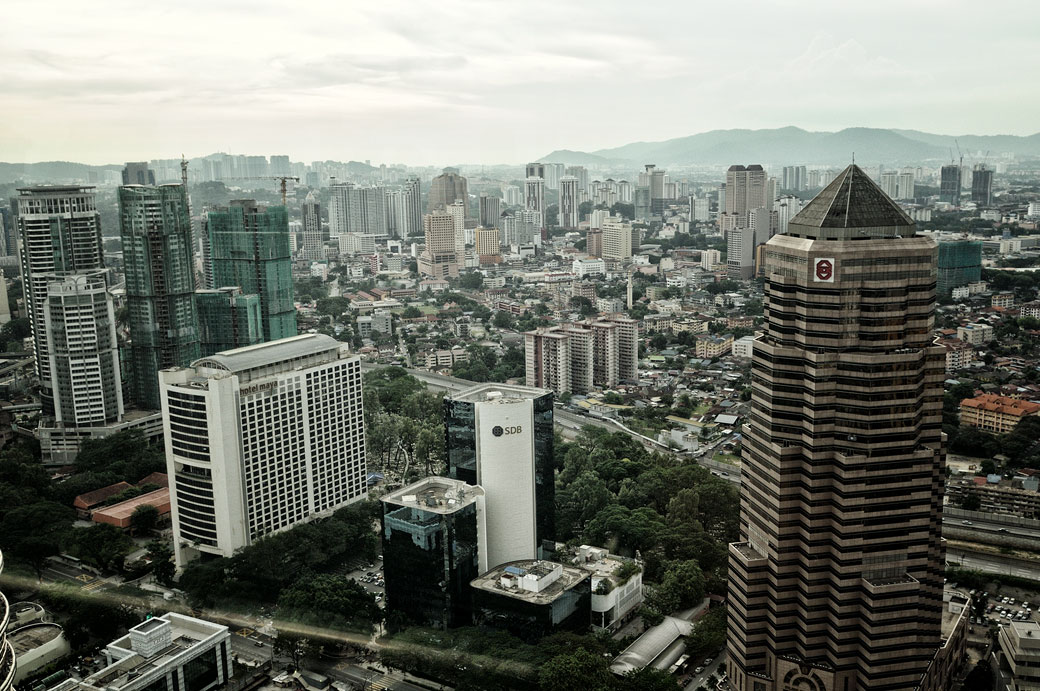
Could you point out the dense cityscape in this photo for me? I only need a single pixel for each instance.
(536, 347)
(556, 425)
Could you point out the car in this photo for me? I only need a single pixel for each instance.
(379, 598)
(1002, 530)
(698, 670)
(967, 523)
(258, 644)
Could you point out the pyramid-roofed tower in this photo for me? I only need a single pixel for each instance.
(837, 581)
(851, 206)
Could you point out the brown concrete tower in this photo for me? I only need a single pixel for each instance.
(837, 582)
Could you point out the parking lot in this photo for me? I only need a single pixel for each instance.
(370, 575)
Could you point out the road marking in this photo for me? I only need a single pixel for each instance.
(245, 632)
(86, 578)
(381, 683)
(96, 585)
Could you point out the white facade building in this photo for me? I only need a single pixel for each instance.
(259, 439)
(710, 258)
(588, 267)
(744, 347)
(511, 431)
(357, 243)
(171, 652)
(617, 239)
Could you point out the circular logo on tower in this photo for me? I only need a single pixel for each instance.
(497, 431)
(825, 270)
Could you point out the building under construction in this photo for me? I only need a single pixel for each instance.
(160, 284)
(249, 248)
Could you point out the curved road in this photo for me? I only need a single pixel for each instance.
(570, 421)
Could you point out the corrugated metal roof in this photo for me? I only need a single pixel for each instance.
(249, 357)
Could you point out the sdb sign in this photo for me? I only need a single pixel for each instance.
(498, 430)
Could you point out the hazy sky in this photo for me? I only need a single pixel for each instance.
(487, 81)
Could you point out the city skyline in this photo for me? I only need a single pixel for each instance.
(290, 81)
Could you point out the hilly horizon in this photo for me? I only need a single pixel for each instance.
(793, 145)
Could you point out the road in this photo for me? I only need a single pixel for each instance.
(991, 526)
(60, 572)
(571, 422)
(716, 667)
(981, 562)
(365, 678)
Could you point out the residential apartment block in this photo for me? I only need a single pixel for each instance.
(576, 357)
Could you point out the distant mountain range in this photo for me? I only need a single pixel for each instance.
(793, 145)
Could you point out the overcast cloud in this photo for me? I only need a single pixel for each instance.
(483, 81)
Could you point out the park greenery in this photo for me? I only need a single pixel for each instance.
(674, 515)
(296, 570)
(36, 516)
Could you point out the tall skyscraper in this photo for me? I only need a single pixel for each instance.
(488, 244)
(794, 178)
(339, 209)
(457, 211)
(500, 437)
(138, 173)
(60, 233)
(7, 657)
(412, 226)
(490, 210)
(594, 242)
(655, 179)
(582, 173)
(837, 581)
(534, 196)
(950, 184)
(83, 354)
(745, 190)
(534, 170)
(160, 284)
(446, 189)
(553, 173)
(294, 449)
(313, 247)
(617, 239)
(906, 185)
(569, 202)
(439, 259)
(228, 319)
(250, 249)
(960, 263)
(982, 185)
(890, 183)
(433, 533)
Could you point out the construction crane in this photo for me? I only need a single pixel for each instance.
(281, 179)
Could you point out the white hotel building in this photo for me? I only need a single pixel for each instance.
(259, 439)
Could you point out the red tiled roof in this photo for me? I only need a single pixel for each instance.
(1001, 404)
(89, 500)
(160, 479)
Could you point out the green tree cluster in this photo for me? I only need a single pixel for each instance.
(292, 562)
(485, 364)
(676, 515)
(36, 516)
(403, 428)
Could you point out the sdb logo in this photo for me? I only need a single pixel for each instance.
(498, 430)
